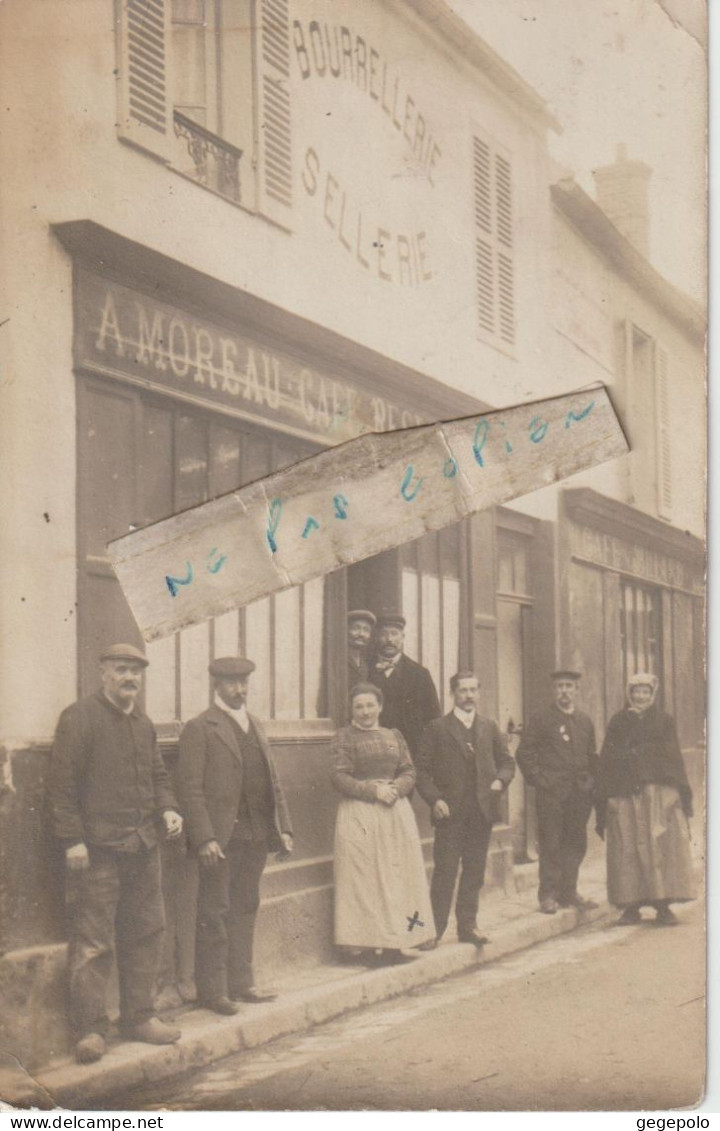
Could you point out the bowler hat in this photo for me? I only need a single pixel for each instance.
(362, 614)
(565, 673)
(396, 619)
(125, 652)
(231, 667)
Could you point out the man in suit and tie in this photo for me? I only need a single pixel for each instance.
(557, 756)
(235, 814)
(463, 766)
(410, 698)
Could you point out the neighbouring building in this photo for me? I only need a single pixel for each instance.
(236, 232)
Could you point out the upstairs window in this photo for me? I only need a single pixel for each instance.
(204, 86)
(494, 257)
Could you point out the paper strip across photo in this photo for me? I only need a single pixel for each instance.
(352, 501)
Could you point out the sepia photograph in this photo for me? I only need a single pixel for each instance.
(353, 422)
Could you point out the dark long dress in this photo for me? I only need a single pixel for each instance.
(643, 801)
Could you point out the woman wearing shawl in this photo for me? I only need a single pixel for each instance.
(643, 800)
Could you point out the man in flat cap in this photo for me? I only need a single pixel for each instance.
(410, 698)
(557, 756)
(112, 801)
(235, 814)
(463, 767)
(360, 629)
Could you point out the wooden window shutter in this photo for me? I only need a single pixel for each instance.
(145, 110)
(272, 52)
(663, 441)
(494, 260)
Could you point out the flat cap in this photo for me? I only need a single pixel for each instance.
(362, 614)
(396, 619)
(125, 652)
(565, 673)
(231, 667)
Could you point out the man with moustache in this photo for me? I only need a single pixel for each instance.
(235, 814)
(463, 767)
(410, 698)
(360, 628)
(557, 755)
(112, 800)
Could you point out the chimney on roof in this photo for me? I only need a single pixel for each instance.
(623, 193)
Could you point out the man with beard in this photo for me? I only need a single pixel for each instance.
(235, 813)
(410, 698)
(111, 800)
(360, 628)
(557, 756)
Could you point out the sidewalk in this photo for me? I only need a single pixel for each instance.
(512, 922)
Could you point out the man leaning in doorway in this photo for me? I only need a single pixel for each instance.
(557, 756)
(463, 766)
(410, 700)
(360, 630)
(112, 800)
(235, 814)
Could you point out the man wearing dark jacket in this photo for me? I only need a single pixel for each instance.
(410, 698)
(235, 814)
(463, 766)
(557, 756)
(111, 799)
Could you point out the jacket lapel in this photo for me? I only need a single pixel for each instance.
(221, 721)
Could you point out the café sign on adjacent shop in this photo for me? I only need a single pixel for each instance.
(129, 334)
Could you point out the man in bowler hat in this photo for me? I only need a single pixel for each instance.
(235, 815)
(557, 756)
(410, 698)
(112, 802)
(463, 767)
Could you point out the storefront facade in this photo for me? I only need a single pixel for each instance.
(215, 282)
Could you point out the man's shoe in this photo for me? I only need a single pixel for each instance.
(473, 937)
(221, 1005)
(253, 995)
(90, 1048)
(549, 906)
(578, 902)
(153, 1032)
(431, 944)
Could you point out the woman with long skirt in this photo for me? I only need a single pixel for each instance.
(643, 802)
(382, 903)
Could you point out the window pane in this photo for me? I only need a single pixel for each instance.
(225, 474)
(194, 678)
(449, 540)
(430, 591)
(451, 635)
(410, 588)
(188, 39)
(505, 571)
(227, 634)
(257, 635)
(510, 661)
(156, 459)
(287, 654)
(314, 633)
(160, 680)
(191, 466)
(256, 461)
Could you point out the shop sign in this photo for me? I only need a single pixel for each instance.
(631, 558)
(128, 333)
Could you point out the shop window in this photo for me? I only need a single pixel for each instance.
(141, 460)
(494, 239)
(640, 630)
(204, 85)
(431, 604)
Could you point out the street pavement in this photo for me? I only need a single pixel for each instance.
(600, 1019)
